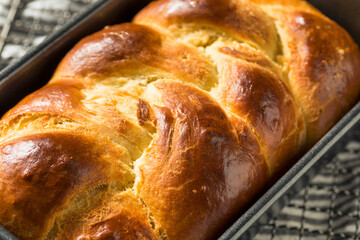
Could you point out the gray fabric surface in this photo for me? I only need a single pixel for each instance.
(34, 20)
(328, 208)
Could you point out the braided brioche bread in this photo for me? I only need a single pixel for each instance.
(168, 127)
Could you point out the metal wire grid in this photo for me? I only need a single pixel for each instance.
(328, 208)
(25, 23)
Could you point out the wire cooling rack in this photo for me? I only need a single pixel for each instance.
(328, 208)
(25, 23)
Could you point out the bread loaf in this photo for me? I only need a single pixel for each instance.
(170, 126)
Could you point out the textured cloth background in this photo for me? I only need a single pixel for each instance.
(328, 208)
(33, 21)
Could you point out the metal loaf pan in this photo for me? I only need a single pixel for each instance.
(35, 69)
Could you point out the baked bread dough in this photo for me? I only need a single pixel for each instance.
(170, 126)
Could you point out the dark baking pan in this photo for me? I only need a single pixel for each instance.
(36, 67)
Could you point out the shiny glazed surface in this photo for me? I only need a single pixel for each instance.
(170, 126)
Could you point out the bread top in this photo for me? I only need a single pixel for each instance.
(170, 126)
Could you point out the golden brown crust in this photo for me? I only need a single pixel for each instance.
(130, 49)
(199, 168)
(123, 217)
(241, 19)
(63, 97)
(323, 68)
(63, 104)
(286, 4)
(248, 89)
(167, 128)
(51, 169)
